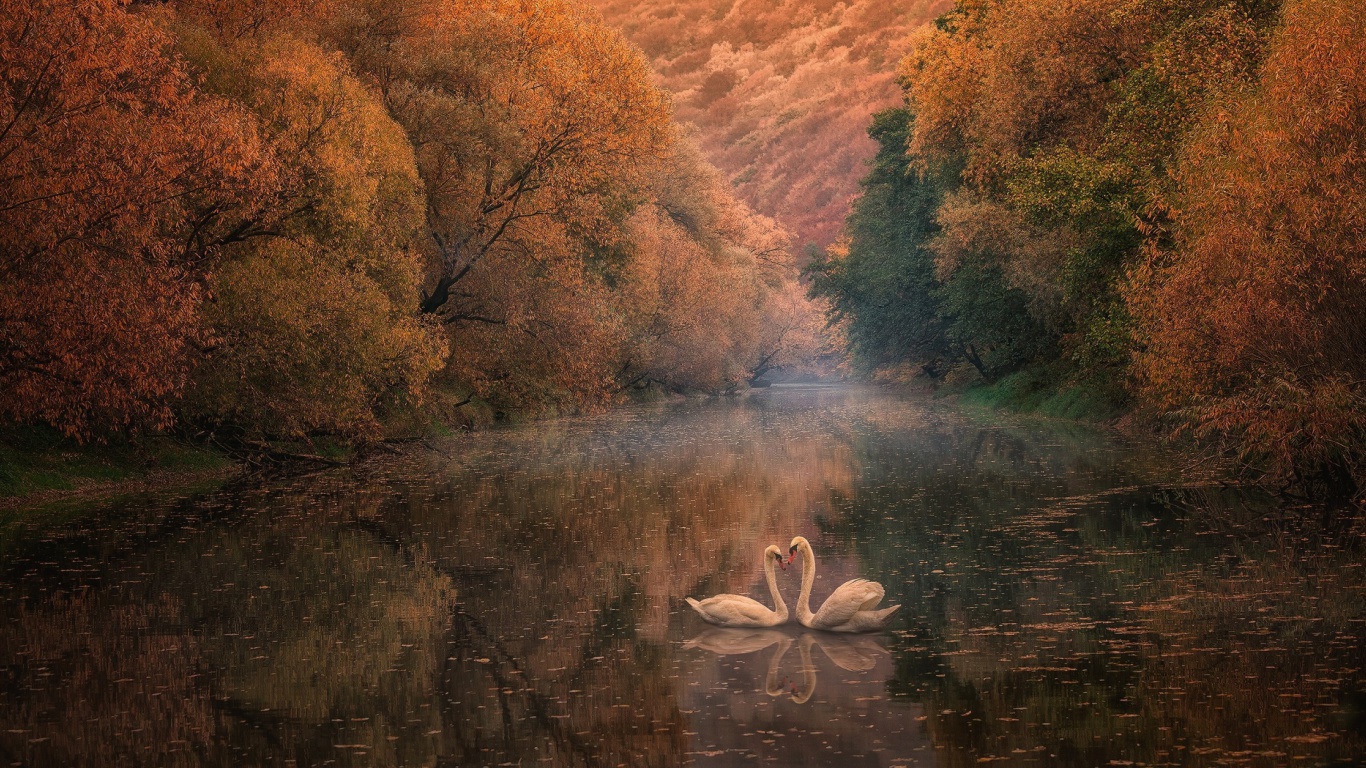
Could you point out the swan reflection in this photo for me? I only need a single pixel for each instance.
(851, 653)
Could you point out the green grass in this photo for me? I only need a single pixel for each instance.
(1038, 391)
(34, 460)
(37, 465)
(23, 525)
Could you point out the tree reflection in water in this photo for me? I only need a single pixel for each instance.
(516, 597)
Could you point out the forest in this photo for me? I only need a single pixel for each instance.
(279, 219)
(1149, 208)
(246, 222)
(433, 382)
(780, 92)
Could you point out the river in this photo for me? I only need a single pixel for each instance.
(516, 598)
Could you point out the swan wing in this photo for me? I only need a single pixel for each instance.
(871, 621)
(851, 597)
(733, 611)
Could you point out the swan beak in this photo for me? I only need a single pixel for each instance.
(791, 555)
(781, 562)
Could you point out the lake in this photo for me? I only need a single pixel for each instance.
(515, 597)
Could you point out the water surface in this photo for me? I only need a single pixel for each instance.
(515, 598)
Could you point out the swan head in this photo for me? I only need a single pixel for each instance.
(798, 544)
(776, 554)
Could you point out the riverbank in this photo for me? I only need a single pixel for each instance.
(1049, 390)
(48, 482)
(1041, 392)
(40, 466)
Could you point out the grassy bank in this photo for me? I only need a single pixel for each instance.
(38, 464)
(1042, 392)
(48, 482)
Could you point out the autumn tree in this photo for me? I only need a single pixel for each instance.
(109, 159)
(1251, 323)
(1064, 118)
(709, 290)
(277, 219)
(312, 319)
(531, 124)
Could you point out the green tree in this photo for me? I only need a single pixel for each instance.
(880, 280)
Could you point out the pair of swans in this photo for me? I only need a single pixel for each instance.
(852, 654)
(850, 608)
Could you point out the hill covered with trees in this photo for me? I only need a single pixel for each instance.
(780, 91)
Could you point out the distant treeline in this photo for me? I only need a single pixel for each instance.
(1163, 200)
(275, 218)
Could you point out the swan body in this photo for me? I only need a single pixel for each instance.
(852, 607)
(741, 611)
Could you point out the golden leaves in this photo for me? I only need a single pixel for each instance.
(1252, 324)
(106, 152)
(241, 234)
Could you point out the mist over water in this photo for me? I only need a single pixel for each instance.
(516, 598)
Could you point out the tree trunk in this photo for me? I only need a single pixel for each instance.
(971, 354)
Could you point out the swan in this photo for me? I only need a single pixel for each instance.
(740, 611)
(850, 608)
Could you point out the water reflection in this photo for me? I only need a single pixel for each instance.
(851, 653)
(516, 597)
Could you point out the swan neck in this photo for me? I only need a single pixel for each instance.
(779, 607)
(808, 579)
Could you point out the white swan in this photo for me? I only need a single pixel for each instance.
(740, 611)
(850, 608)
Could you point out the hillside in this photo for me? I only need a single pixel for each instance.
(780, 91)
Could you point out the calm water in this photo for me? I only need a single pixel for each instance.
(515, 598)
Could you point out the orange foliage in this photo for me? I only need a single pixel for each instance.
(107, 156)
(710, 293)
(228, 210)
(1000, 77)
(533, 127)
(518, 111)
(780, 90)
(543, 333)
(236, 19)
(687, 308)
(1252, 326)
(313, 321)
